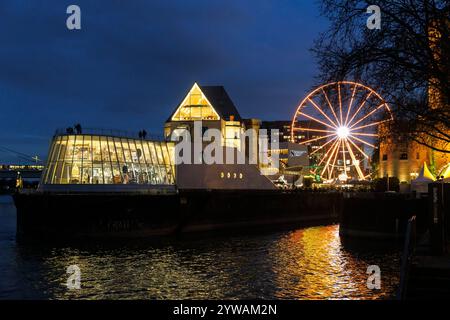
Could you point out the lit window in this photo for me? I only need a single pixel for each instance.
(195, 107)
(86, 159)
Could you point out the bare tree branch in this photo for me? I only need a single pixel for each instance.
(408, 59)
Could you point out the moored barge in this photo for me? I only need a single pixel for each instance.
(114, 184)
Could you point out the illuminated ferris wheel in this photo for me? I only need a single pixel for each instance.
(339, 121)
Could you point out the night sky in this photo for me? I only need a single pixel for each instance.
(133, 62)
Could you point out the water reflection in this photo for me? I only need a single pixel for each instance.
(308, 263)
(312, 264)
(304, 264)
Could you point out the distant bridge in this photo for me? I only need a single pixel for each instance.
(28, 172)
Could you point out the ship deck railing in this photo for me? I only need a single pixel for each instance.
(102, 189)
(110, 133)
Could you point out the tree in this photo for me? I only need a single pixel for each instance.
(307, 182)
(407, 60)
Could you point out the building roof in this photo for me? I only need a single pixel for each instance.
(220, 101)
(425, 176)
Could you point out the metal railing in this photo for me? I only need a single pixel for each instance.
(110, 133)
(408, 252)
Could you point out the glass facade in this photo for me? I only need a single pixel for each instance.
(195, 107)
(94, 159)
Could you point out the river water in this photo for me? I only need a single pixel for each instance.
(309, 263)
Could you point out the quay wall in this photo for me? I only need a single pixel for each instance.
(85, 215)
(380, 215)
(78, 215)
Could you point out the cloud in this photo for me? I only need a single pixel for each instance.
(134, 60)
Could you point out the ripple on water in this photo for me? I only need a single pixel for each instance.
(308, 263)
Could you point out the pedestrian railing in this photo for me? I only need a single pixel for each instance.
(111, 133)
(407, 256)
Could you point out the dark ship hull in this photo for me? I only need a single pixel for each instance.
(131, 215)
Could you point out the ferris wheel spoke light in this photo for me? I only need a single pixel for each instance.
(358, 169)
(328, 161)
(350, 105)
(371, 124)
(341, 143)
(331, 107)
(312, 118)
(358, 148)
(364, 134)
(323, 113)
(367, 115)
(334, 162)
(326, 154)
(359, 108)
(324, 145)
(340, 101)
(343, 156)
(365, 142)
(316, 139)
(312, 130)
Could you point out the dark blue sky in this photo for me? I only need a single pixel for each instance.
(133, 62)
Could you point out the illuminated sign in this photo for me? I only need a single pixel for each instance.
(297, 153)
